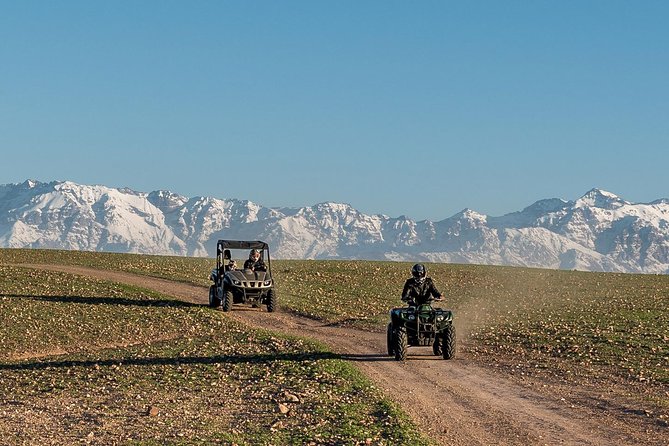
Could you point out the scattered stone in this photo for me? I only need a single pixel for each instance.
(291, 397)
(282, 408)
(152, 411)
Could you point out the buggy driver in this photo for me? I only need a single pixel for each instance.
(419, 289)
(255, 262)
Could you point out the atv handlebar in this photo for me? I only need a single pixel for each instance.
(412, 303)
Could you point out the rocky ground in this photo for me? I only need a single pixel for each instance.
(476, 399)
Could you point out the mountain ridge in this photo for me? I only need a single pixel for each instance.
(599, 231)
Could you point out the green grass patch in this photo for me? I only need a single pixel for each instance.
(185, 269)
(98, 362)
(612, 324)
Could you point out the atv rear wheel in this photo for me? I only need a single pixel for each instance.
(448, 347)
(400, 345)
(271, 300)
(389, 339)
(436, 347)
(214, 302)
(227, 299)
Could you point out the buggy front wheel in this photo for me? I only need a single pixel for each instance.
(227, 299)
(271, 301)
(214, 301)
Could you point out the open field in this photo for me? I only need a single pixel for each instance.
(612, 323)
(607, 332)
(84, 361)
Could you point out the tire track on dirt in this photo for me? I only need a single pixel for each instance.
(455, 402)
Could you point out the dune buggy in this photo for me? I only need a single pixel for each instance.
(234, 284)
(421, 325)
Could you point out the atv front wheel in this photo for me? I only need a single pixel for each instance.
(227, 300)
(214, 301)
(400, 345)
(271, 300)
(389, 339)
(448, 347)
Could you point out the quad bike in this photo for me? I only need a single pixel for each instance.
(421, 325)
(233, 285)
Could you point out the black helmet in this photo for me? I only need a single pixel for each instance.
(418, 272)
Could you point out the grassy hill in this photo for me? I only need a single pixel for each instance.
(572, 327)
(93, 362)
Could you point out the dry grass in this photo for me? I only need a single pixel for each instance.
(574, 326)
(93, 362)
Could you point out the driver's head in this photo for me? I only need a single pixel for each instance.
(418, 272)
(254, 254)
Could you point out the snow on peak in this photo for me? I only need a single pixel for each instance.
(31, 184)
(166, 201)
(595, 193)
(599, 231)
(600, 199)
(129, 191)
(470, 214)
(546, 205)
(331, 206)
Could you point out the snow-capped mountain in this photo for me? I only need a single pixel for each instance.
(599, 231)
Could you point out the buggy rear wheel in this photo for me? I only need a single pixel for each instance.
(448, 347)
(389, 339)
(400, 344)
(214, 301)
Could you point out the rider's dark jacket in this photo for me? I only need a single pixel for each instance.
(258, 265)
(419, 293)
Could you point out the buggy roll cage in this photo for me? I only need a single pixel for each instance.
(223, 245)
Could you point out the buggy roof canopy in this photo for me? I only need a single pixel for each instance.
(241, 244)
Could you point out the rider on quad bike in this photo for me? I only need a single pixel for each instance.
(420, 324)
(419, 289)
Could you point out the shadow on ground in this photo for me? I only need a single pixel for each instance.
(189, 360)
(96, 300)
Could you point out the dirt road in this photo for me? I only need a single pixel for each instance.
(456, 402)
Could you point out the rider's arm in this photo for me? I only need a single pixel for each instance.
(433, 291)
(405, 292)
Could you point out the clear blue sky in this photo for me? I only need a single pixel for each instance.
(419, 108)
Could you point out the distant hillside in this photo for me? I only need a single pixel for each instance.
(598, 232)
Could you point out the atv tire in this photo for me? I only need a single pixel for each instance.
(448, 338)
(437, 346)
(389, 339)
(271, 300)
(400, 346)
(214, 301)
(227, 299)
